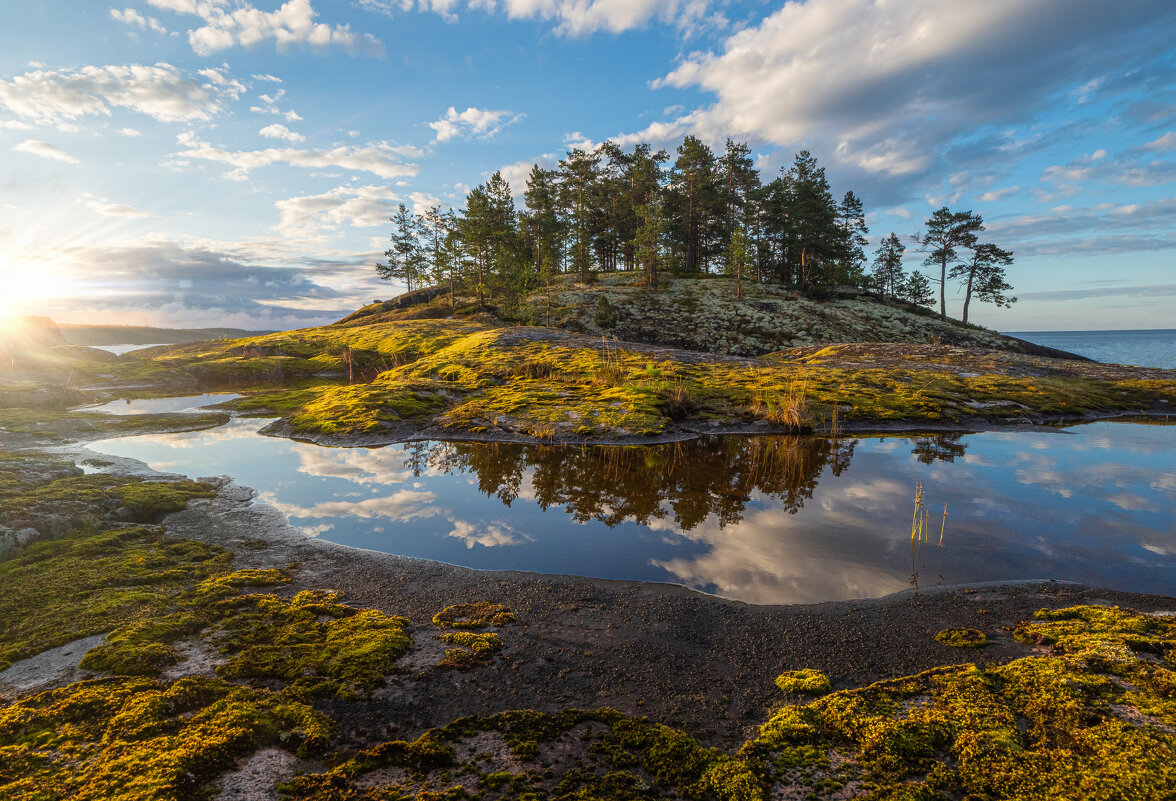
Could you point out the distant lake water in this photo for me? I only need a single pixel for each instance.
(759, 519)
(1149, 348)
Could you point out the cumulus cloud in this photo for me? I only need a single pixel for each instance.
(571, 17)
(161, 91)
(241, 24)
(130, 16)
(482, 123)
(354, 206)
(381, 159)
(103, 206)
(279, 131)
(1164, 144)
(1101, 229)
(251, 284)
(886, 88)
(131, 132)
(45, 150)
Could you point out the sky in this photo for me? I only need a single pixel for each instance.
(234, 162)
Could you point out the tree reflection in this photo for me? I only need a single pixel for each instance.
(685, 481)
(942, 448)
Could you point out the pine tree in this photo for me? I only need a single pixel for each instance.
(888, 274)
(947, 231)
(649, 238)
(851, 219)
(917, 290)
(984, 276)
(694, 206)
(579, 174)
(405, 260)
(738, 257)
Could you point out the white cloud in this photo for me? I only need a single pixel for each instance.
(266, 77)
(891, 85)
(1165, 144)
(130, 16)
(358, 207)
(278, 131)
(381, 159)
(482, 123)
(44, 150)
(993, 195)
(244, 25)
(103, 206)
(160, 91)
(14, 125)
(129, 132)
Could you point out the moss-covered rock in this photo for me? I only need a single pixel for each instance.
(962, 638)
(807, 681)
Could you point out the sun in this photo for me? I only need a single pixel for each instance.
(25, 287)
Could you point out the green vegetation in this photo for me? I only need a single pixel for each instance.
(45, 426)
(58, 591)
(807, 681)
(605, 754)
(962, 638)
(477, 615)
(1093, 721)
(125, 739)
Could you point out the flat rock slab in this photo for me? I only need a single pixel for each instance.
(52, 668)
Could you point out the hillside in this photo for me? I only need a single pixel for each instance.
(146, 335)
(704, 314)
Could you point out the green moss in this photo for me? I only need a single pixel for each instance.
(962, 638)
(142, 740)
(93, 502)
(313, 642)
(476, 648)
(84, 584)
(808, 681)
(1092, 722)
(477, 615)
(621, 758)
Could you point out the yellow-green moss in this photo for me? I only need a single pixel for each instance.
(475, 615)
(142, 740)
(1094, 723)
(807, 681)
(58, 591)
(962, 638)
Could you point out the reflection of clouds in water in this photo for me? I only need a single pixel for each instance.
(314, 531)
(1132, 502)
(488, 535)
(359, 466)
(772, 555)
(1165, 483)
(399, 506)
(769, 557)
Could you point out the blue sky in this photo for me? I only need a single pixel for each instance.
(234, 162)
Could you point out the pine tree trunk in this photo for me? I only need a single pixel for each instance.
(942, 289)
(968, 295)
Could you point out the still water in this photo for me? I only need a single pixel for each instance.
(763, 519)
(1147, 348)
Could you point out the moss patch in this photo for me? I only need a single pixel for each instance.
(59, 591)
(477, 615)
(807, 681)
(142, 740)
(1093, 722)
(962, 638)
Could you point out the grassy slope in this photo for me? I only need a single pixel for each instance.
(477, 374)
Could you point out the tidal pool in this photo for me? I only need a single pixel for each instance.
(759, 519)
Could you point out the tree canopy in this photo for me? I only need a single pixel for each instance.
(692, 212)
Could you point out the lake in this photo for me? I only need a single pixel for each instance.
(1147, 348)
(758, 519)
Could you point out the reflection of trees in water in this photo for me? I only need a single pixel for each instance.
(613, 484)
(943, 448)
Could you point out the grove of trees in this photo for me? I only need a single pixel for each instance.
(699, 213)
